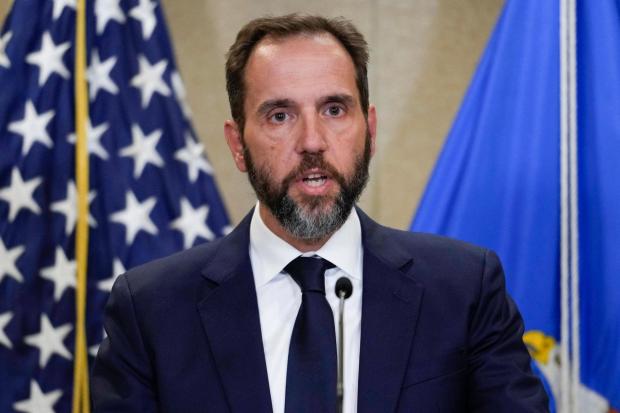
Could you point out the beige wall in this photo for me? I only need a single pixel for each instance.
(4, 9)
(423, 53)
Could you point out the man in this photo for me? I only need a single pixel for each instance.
(235, 325)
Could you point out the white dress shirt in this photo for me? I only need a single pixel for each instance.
(279, 300)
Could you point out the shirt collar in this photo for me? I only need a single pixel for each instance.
(343, 249)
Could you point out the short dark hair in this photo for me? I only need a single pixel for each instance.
(284, 26)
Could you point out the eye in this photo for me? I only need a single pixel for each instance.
(279, 117)
(334, 110)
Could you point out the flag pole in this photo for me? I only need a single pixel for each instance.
(574, 223)
(81, 397)
(565, 405)
(569, 225)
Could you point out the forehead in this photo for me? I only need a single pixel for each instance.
(299, 66)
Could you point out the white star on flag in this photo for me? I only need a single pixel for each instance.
(94, 134)
(59, 6)
(145, 13)
(149, 79)
(106, 10)
(192, 223)
(192, 155)
(135, 216)
(19, 194)
(7, 261)
(5, 318)
(179, 90)
(4, 41)
(38, 402)
(49, 58)
(68, 207)
(117, 269)
(32, 127)
(98, 75)
(143, 149)
(62, 273)
(49, 340)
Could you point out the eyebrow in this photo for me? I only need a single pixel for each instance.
(343, 98)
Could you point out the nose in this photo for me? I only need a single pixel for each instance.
(312, 138)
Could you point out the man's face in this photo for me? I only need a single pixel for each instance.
(306, 144)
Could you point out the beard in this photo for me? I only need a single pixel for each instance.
(312, 218)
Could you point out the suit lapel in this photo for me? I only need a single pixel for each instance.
(230, 318)
(390, 306)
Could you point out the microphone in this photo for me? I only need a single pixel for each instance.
(344, 289)
(344, 286)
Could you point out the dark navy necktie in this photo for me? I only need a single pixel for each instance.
(312, 360)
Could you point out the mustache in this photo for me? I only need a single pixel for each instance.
(312, 161)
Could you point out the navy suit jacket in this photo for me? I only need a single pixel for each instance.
(439, 333)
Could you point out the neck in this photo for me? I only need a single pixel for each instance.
(302, 245)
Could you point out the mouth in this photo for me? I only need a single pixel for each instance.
(314, 180)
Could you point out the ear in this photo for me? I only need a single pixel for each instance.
(235, 144)
(372, 127)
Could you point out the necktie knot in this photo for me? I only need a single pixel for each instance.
(309, 273)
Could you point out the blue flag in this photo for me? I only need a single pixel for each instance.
(598, 64)
(152, 190)
(497, 183)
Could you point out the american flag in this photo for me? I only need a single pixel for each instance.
(151, 190)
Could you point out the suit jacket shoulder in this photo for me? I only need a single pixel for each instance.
(173, 325)
(179, 274)
(429, 259)
(454, 342)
